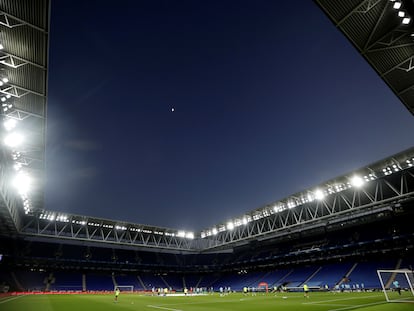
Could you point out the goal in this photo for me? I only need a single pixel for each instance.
(397, 285)
(125, 288)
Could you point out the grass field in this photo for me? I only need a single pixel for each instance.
(286, 302)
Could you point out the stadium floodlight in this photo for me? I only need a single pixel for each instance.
(181, 234)
(387, 171)
(397, 5)
(406, 20)
(4, 98)
(230, 225)
(10, 124)
(22, 182)
(13, 139)
(357, 181)
(62, 218)
(369, 177)
(6, 106)
(17, 166)
(319, 195)
(189, 235)
(291, 204)
(214, 230)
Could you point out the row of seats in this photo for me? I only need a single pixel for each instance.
(313, 275)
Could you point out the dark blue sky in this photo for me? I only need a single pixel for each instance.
(269, 97)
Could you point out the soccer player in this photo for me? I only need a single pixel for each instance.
(397, 286)
(117, 291)
(306, 290)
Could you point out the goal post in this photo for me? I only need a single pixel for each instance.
(125, 288)
(264, 286)
(397, 285)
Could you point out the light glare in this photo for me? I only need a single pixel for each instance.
(13, 139)
(230, 225)
(22, 182)
(319, 195)
(357, 181)
(10, 124)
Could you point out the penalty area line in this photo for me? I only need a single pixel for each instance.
(163, 308)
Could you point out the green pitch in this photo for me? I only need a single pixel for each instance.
(285, 302)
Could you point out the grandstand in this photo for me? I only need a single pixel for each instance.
(337, 233)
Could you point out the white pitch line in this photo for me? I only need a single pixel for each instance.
(339, 299)
(333, 305)
(163, 308)
(202, 302)
(358, 306)
(10, 299)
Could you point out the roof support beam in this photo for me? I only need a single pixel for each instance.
(375, 28)
(11, 21)
(14, 61)
(363, 7)
(18, 91)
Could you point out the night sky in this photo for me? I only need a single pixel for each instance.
(269, 99)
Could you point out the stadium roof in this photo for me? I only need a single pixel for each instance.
(24, 42)
(383, 33)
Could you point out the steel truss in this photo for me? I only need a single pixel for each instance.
(14, 61)
(377, 196)
(10, 205)
(81, 228)
(11, 21)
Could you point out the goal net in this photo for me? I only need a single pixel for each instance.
(397, 285)
(125, 288)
